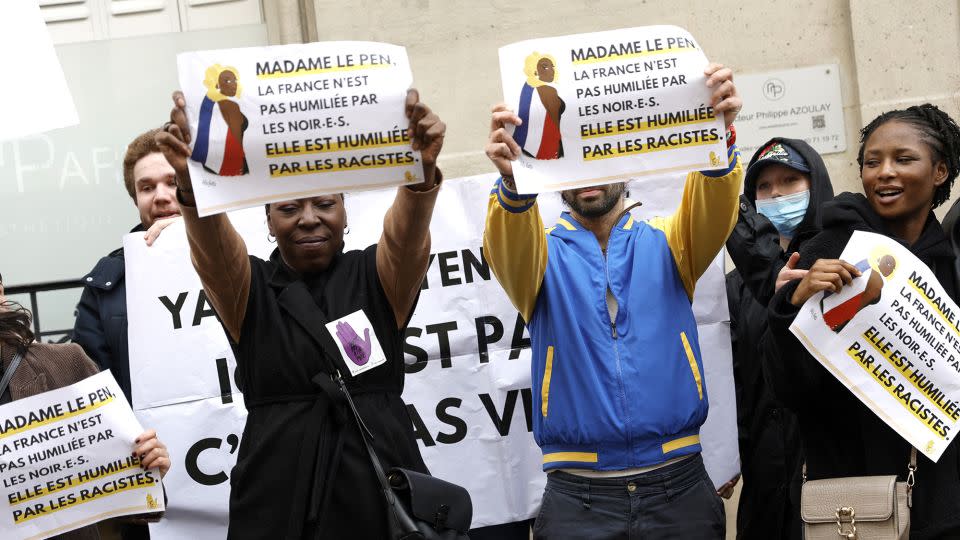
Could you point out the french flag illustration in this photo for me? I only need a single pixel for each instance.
(839, 308)
(539, 135)
(216, 147)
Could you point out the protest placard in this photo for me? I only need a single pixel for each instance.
(65, 460)
(291, 121)
(42, 102)
(602, 107)
(891, 337)
(467, 354)
(182, 366)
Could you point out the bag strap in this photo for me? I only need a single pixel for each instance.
(367, 436)
(326, 382)
(400, 519)
(911, 468)
(8, 374)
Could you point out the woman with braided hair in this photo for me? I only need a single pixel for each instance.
(908, 160)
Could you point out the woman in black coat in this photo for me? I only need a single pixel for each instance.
(302, 469)
(908, 162)
(773, 223)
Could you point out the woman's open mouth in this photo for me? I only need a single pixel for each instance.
(888, 195)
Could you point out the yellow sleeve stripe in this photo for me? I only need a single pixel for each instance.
(680, 443)
(545, 387)
(578, 457)
(514, 204)
(566, 224)
(629, 224)
(511, 200)
(693, 364)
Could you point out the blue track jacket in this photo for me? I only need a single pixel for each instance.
(628, 394)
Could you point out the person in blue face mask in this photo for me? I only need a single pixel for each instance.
(784, 186)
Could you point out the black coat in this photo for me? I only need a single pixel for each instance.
(302, 471)
(768, 435)
(951, 227)
(101, 324)
(841, 436)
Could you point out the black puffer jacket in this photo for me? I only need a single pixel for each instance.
(769, 440)
(842, 437)
(101, 325)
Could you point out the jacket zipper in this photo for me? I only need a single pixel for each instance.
(606, 273)
(613, 327)
(614, 336)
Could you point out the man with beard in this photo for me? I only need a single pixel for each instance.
(618, 388)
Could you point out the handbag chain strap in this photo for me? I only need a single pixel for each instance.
(911, 469)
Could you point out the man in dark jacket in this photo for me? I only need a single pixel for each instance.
(787, 182)
(101, 325)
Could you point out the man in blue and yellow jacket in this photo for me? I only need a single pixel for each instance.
(618, 388)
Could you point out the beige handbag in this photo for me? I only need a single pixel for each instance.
(858, 507)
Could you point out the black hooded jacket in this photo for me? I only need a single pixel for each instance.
(768, 436)
(754, 244)
(951, 227)
(842, 437)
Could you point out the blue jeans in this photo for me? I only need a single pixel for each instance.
(676, 502)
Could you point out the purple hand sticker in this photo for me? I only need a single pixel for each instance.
(358, 350)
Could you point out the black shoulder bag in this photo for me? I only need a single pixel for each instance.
(419, 506)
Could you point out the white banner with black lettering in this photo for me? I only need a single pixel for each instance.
(467, 355)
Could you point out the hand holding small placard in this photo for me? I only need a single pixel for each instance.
(890, 335)
(65, 460)
(293, 121)
(603, 107)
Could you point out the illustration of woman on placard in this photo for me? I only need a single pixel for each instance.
(540, 109)
(219, 145)
(839, 309)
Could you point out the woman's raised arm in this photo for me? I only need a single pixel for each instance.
(403, 252)
(218, 252)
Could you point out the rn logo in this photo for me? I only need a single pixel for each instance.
(773, 89)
